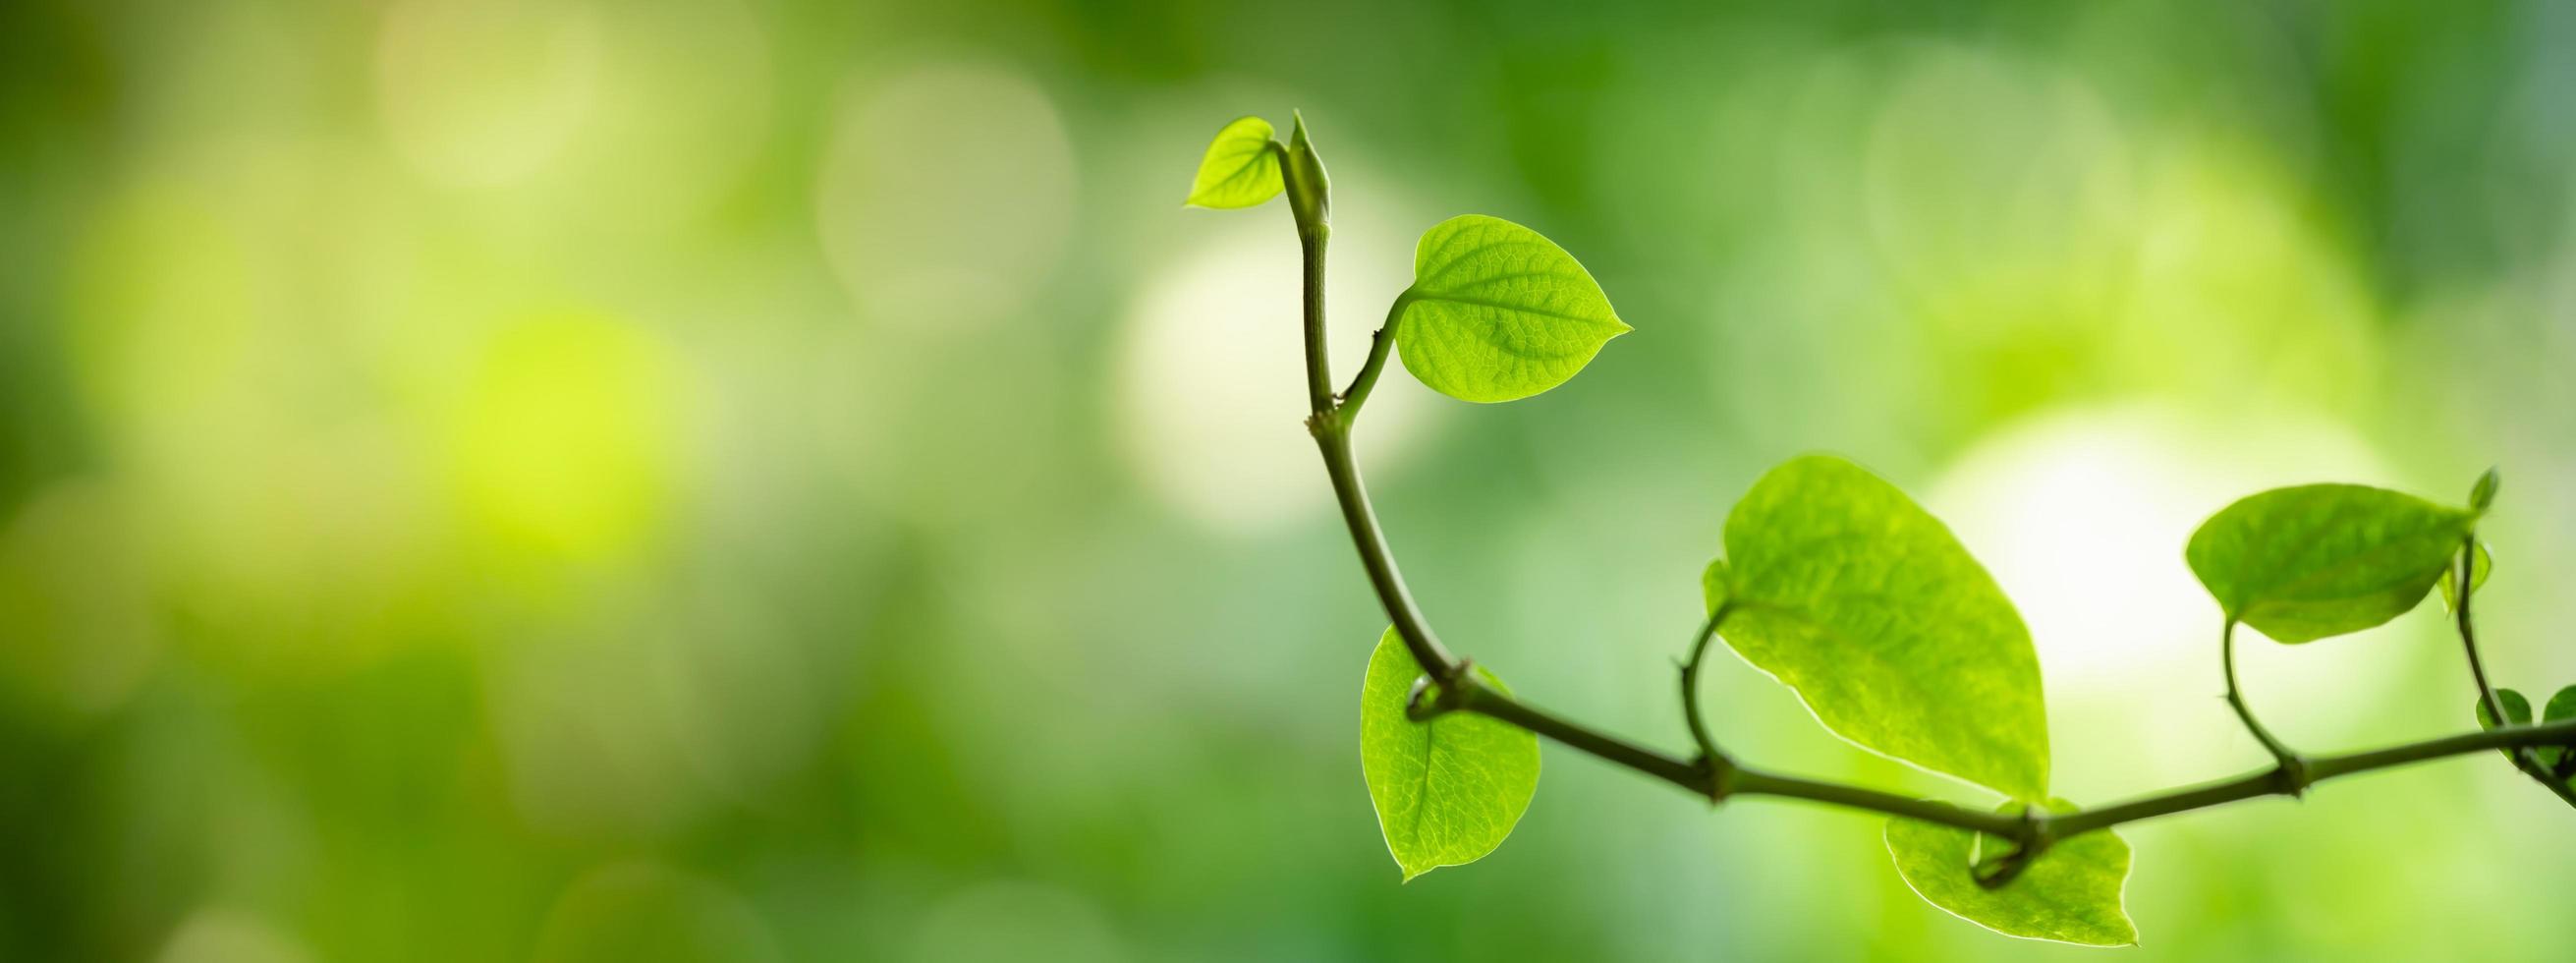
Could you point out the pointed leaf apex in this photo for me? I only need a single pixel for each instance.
(2483, 493)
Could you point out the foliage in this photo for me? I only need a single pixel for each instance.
(2305, 563)
(1845, 590)
(1448, 790)
(1498, 313)
(2070, 893)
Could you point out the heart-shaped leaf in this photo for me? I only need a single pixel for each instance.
(1497, 312)
(2070, 894)
(2314, 561)
(2518, 709)
(1240, 169)
(1844, 589)
(1449, 790)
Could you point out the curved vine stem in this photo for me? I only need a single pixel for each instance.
(1719, 767)
(2463, 580)
(1714, 775)
(2288, 767)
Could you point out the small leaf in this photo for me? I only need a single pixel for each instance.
(1848, 592)
(2305, 563)
(1498, 313)
(2518, 709)
(2070, 894)
(2482, 494)
(1449, 790)
(2478, 568)
(1240, 169)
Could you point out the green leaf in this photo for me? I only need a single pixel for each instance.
(2070, 894)
(2482, 494)
(2305, 563)
(1449, 790)
(1498, 313)
(1844, 589)
(1240, 169)
(2518, 709)
(2478, 569)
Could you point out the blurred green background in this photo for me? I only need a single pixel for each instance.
(586, 480)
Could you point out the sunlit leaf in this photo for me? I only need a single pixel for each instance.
(1240, 169)
(1498, 313)
(1844, 589)
(1449, 790)
(2314, 561)
(2478, 568)
(2070, 894)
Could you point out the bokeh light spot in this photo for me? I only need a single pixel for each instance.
(1211, 391)
(945, 195)
(477, 92)
(566, 437)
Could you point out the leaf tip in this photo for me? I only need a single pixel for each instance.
(2483, 493)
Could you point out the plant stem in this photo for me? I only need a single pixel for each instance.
(1715, 776)
(2287, 764)
(2523, 758)
(1709, 756)
(1331, 425)
(1319, 384)
(1333, 438)
(1380, 343)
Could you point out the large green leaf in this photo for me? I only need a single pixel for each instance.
(1843, 588)
(2308, 562)
(1498, 313)
(2071, 893)
(1449, 790)
(1240, 169)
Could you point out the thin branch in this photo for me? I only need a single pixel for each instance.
(1380, 344)
(1333, 437)
(1330, 423)
(2463, 587)
(2288, 767)
(1709, 756)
